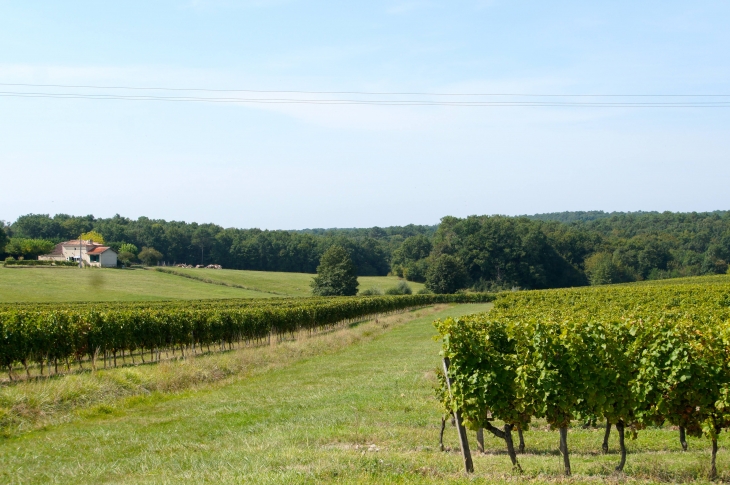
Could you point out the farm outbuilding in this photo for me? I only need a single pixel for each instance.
(89, 252)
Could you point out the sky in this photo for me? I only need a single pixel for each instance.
(297, 165)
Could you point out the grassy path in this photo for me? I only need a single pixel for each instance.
(363, 414)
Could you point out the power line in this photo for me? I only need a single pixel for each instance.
(505, 103)
(366, 93)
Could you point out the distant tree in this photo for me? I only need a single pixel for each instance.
(128, 248)
(446, 275)
(336, 274)
(203, 237)
(377, 232)
(416, 270)
(28, 248)
(149, 256)
(127, 257)
(92, 236)
(415, 248)
(409, 259)
(603, 270)
(3, 238)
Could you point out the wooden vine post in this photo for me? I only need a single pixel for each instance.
(464, 441)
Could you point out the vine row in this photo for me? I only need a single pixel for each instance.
(44, 334)
(634, 356)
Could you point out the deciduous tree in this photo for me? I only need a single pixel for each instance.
(446, 275)
(336, 274)
(149, 256)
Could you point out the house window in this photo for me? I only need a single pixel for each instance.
(94, 258)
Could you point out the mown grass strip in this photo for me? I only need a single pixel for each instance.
(215, 282)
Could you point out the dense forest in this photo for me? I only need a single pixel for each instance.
(483, 252)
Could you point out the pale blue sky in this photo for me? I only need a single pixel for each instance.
(292, 166)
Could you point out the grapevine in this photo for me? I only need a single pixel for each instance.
(634, 356)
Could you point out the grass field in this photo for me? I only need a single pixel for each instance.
(72, 284)
(359, 413)
(293, 284)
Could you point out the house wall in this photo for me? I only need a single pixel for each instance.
(73, 251)
(108, 259)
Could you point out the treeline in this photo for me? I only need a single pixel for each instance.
(482, 252)
(497, 252)
(192, 243)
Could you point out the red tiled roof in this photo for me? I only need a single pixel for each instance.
(75, 242)
(57, 250)
(98, 250)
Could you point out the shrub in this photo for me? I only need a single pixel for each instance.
(127, 257)
(371, 291)
(34, 262)
(150, 256)
(401, 288)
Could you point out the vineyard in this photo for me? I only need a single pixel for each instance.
(632, 357)
(46, 334)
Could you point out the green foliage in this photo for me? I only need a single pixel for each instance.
(204, 237)
(416, 270)
(336, 274)
(127, 257)
(128, 248)
(508, 251)
(3, 238)
(92, 236)
(374, 290)
(401, 288)
(149, 256)
(409, 260)
(446, 275)
(249, 249)
(28, 248)
(602, 270)
(641, 354)
(544, 251)
(42, 332)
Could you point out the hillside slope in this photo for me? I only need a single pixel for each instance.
(98, 284)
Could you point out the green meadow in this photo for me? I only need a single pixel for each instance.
(98, 284)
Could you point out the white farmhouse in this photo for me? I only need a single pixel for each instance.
(89, 252)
